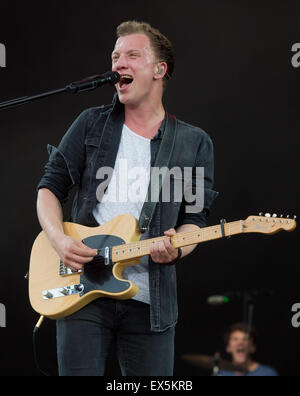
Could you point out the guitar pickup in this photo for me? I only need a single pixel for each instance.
(107, 256)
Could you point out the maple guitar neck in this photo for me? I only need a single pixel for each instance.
(258, 224)
(142, 248)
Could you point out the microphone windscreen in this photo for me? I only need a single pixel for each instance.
(114, 77)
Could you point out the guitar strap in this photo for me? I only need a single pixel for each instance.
(162, 161)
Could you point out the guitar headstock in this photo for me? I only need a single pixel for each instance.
(268, 224)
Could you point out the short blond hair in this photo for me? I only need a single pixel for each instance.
(162, 47)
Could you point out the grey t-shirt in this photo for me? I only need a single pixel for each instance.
(126, 194)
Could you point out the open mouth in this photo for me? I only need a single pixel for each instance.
(125, 81)
(241, 351)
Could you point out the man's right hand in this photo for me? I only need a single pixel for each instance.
(74, 254)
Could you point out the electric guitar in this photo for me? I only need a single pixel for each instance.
(56, 292)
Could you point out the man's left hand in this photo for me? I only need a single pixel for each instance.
(163, 252)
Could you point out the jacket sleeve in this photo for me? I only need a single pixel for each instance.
(66, 162)
(204, 160)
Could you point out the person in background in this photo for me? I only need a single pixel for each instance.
(241, 345)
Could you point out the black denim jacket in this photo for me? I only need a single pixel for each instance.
(92, 142)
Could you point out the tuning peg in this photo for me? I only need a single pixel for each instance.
(260, 214)
(288, 216)
(295, 217)
(274, 215)
(281, 216)
(267, 215)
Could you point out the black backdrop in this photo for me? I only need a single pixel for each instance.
(234, 78)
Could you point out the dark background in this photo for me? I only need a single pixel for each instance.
(234, 79)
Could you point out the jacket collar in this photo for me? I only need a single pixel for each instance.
(118, 107)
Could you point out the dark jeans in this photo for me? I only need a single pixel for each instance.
(84, 339)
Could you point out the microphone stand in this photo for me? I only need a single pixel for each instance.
(216, 368)
(248, 318)
(88, 84)
(27, 99)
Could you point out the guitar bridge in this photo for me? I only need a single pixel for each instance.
(62, 292)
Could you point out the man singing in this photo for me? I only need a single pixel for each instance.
(130, 129)
(241, 345)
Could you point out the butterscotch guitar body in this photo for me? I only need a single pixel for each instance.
(56, 293)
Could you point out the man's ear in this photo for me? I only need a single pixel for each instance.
(161, 71)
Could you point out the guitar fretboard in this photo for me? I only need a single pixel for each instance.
(142, 248)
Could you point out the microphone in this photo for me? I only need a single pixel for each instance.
(246, 295)
(223, 299)
(87, 84)
(217, 300)
(93, 82)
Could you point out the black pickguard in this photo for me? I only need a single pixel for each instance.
(97, 275)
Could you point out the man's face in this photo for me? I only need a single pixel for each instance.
(237, 347)
(134, 60)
